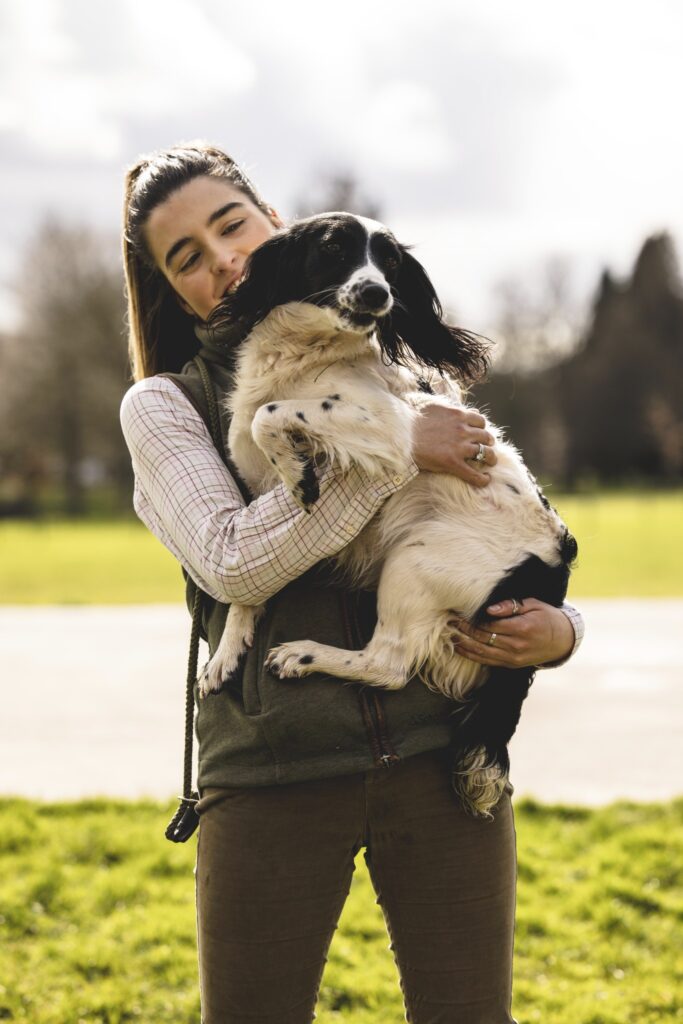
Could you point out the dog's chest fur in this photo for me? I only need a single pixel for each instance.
(299, 353)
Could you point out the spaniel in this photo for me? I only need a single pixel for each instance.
(345, 342)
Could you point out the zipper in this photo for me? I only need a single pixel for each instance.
(370, 703)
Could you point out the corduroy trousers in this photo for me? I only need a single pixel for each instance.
(274, 867)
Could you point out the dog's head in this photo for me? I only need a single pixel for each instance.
(355, 267)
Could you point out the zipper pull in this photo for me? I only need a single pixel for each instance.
(389, 759)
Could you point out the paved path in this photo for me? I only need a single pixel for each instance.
(92, 703)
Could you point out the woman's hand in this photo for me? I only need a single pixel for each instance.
(446, 439)
(533, 634)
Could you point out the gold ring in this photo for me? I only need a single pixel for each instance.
(491, 640)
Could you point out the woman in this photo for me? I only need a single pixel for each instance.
(295, 777)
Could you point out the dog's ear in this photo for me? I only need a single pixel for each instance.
(270, 279)
(416, 326)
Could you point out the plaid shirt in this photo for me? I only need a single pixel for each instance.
(235, 552)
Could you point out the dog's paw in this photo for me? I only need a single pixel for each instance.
(292, 660)
(219, 672)
(479, 781)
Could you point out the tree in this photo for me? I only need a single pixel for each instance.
(622, 394)
(64, 371)
(339, 190)
(611, 410)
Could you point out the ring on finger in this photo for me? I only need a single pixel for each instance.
(491, 640)
(515, 606)
(481, 455)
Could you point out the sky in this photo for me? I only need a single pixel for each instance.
(496, 136)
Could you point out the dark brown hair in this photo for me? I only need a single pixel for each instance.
(160, 334)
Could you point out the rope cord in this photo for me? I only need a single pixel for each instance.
(185, 820)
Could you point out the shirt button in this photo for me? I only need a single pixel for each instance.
(397, 478)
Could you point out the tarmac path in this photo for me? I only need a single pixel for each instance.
(93, 697)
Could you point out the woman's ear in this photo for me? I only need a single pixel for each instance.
(275, 217)
(416, 326)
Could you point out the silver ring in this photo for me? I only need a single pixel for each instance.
(515, 606)
(481, 454)
(491, 640)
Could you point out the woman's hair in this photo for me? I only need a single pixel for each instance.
(160, 333)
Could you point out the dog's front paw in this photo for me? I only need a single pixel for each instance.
(479, 781)
(292, 660)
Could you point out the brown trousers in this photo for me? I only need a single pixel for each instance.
(274, 867)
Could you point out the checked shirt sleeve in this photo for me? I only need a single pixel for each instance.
(576, 619)
(185, 495)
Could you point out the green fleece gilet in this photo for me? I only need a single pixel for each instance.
(261, 730)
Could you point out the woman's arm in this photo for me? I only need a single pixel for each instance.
(188, 499)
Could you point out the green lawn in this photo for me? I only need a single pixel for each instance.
(98, 924)
(630, 544)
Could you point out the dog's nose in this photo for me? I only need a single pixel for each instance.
(373, 296)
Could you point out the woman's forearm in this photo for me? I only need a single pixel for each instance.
(187, 498)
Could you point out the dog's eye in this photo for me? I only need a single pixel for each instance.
(391, 263)
(332, 247)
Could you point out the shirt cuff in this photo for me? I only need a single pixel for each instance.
(373, 497)
(576, 619)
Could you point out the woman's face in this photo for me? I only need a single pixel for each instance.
(200, 238)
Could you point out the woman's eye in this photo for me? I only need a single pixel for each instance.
(233, 226)
(189, 262)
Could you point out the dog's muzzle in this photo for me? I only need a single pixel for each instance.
(371, 298)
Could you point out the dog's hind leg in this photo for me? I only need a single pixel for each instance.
(237, 638)
(405, 631)
(381, 663)
(484, 727)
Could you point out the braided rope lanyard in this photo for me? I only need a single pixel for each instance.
(185, 820)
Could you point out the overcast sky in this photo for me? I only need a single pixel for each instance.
(495, 134)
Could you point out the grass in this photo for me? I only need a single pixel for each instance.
(630, 544)
(97, 919)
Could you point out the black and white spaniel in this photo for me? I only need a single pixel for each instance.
(346, 341)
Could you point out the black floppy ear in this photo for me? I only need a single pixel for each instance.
(416, 326)
(270, 279)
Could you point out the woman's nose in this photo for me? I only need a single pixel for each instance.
(223, 259)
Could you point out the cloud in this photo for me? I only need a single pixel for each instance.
(72, 72)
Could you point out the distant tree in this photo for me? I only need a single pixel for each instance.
(64, 371)
(622, 394)
(339, 190)
(612, 409)
(535, 328)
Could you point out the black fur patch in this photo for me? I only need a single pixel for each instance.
(306, 659)
(271, 408)
(424, 385)
(300, 416)
(489, 717)
(327, 406)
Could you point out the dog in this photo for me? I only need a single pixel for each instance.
(346, 341)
